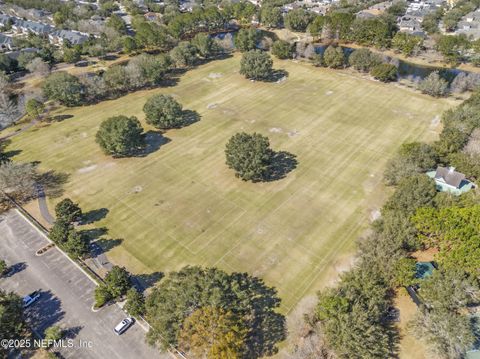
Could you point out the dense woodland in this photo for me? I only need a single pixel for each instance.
(354, 316)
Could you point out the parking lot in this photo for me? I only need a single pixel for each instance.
(66, 296)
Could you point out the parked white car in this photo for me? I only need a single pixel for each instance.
(123, 326)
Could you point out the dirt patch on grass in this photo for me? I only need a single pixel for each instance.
(87, 169)
(276, 130)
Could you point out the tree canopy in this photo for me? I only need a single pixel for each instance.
(193, 291)
(211, 332)
(249, 155)
(256, 65)
(120, 135)
(67, 210)
(12, 322)
(64, 88)
(163, 111)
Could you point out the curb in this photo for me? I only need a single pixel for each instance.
(50, 241)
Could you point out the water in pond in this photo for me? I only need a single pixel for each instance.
(405, 68)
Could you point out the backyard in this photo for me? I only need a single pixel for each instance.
(179, 204)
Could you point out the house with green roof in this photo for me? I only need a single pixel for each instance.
(448, 180)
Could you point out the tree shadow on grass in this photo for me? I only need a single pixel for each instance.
(153, 141)
(59, 118)
(103, 245)
(144, 281)
(281, 164)
(189, 117)
(52, 183)
(7, 155)
(94, 215)
(94, 233)
(277, 76)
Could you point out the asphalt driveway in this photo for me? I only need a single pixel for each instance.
(66, 296)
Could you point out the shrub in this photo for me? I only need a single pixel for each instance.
(384, 72)
(434, 85)
(64, 88)
(334, 57)
(364, 60)
(282, 49)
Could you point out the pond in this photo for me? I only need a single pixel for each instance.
(405, 68)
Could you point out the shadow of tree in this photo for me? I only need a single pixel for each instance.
(94, 215)
(59, 118)
(282, 163)
(72, 332)
(94, 233)
(268, 327)
(103, 245)
(52, 183)
(277, 76)
(4, 154)
(46, 312)
(189, 117)
(14, 269)
(153, 141)
(144, 281)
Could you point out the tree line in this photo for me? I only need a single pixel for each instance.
(354, 316)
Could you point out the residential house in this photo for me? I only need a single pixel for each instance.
(73, 37)
(470, 25)
(449, 180)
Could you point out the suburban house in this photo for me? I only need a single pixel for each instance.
(56, 36)
(470, 25)
(73, 37)
(449, 180)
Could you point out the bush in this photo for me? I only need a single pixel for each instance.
(120, 135)
(162, 111)
(282, 49)
(317, 60)
(135, 304)
(334, 57)
(256, 65)
(184, 54)
(64, 88)
(53, 333)
(364, 60)
(68, 211)
(384, 72)
(298, 20)
(102, 295)
(434, 85)
(34, 108)
(118, 281)
(246, 39)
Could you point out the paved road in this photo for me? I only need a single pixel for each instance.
(67, 296)
(42, 205)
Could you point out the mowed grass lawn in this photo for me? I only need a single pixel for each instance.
(181, 205)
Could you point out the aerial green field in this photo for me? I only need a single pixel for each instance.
(181, 205)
